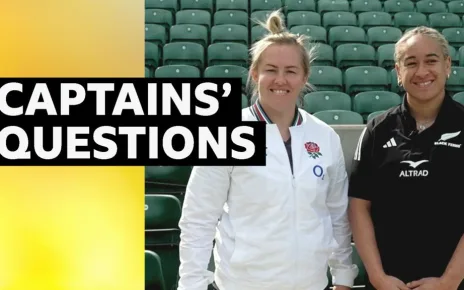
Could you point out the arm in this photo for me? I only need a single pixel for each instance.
(454, 273)
(205, 197)
(341, 267)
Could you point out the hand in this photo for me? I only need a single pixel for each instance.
(431, 283)
(386, 282)
(339, 287)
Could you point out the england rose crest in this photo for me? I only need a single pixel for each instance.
(313, 150)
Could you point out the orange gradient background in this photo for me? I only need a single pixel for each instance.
(72, 228)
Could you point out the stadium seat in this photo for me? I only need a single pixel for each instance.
(459, 97)
(339, 117)
(461, 56)
(231, 17)
(365, 78)
(299, 5)
(324, 6)
(456, 7)
(338, 18)
(326, 78)
(261, 16)
(228, 53)
(394, 83)
(297, 18)
(257, 32)
(455, 83)
(189, 33)
(241, 5)
(227, 71)
(199, 17)
(346, 34)
(377, 36)
(177, 71)
(405, 20)
(152, 56)
(229, 33)
(168, 175)
(373, 115)
(245, 103)
(316, 33)
(455, 36)
(454, 55)
(155, 33)
(385, 56)
(357, 54)
(159, 16)
(154, 278)
(360, 6)
(325, 55)
(368, 102)
(326, 100)
(206, 5)
(430, 6)
(443, 20)
(148, 73)
(188, 53)
(395, 6)
(371, 19)
(171, 5)
(257, 5)
(162, 234)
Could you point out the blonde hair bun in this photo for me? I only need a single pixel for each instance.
(275, 23)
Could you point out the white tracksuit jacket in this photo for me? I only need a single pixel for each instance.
(276, 230)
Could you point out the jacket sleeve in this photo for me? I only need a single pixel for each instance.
(205, 197)
(341, 267)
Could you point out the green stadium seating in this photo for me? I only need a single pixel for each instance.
(148, 73)
(297, 18)
(394, 83)
(360, 6)
(368, 102)
(152, 56)
(385, 56)
(325, 55)
(228, 53)
(365, 78)
(171, 5)
(229, 33)
(456, 7)
(156, 33)
(454, 55)
(199, 17)
(375, 19)
(244, 101)
(455, 36)
(444, 20)
(188, 53)
(159, 16)
(455, 83)
(326, 100)
(377, 36)
(206, 5)
(326, 78)
(177, 71)
(430, 6)
(317, 34)
(299, 5)
(324, 6)
(189, 33)
(231, 17)
(257, 17)
(162, 234)
(168, 175)
(257, 5)
(459, 97)
(405, 20)
(339, 18)
(373, 115)
(257, 32)
(346, 34)
(339, 117)
(232, 5)
(355, 54)
(154, 277)
(394, 6)
(461, 56)
(227, 71)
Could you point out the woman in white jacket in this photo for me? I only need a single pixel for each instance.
(278, 226)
